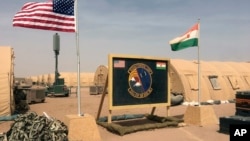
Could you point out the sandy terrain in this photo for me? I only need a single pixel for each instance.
(58, 107)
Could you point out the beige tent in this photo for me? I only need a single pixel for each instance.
(6, 81)
(87, 79)
(218, 80)
(50, 79)
(70, 78)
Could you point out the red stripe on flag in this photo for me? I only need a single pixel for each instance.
(195, 27)
(119, 63)
(40, 15)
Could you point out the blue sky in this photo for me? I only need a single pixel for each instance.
(135, 27)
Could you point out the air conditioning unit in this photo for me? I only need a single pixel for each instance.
(96, 90)
(35, 94)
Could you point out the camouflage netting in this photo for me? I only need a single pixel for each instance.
(31, 127)
(153, 122)
(21, 105)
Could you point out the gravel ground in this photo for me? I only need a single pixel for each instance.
(59, 107)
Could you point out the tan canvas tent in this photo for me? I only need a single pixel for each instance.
(218, 80)
(70, 78)
(6, 81)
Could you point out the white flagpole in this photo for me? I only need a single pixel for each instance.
(78, 59)
(199, 90)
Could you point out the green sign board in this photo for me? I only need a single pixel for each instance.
(136, 81)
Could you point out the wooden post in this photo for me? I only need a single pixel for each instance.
(153, 110)
(110, 116)
(102, 99)
(168, 107)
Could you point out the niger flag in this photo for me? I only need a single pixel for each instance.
(189, 39)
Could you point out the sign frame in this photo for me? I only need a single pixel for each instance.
(113, 64)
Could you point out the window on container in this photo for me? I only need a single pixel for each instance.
(193, 81)
(247, 79)
(234, 82)
(214, 82)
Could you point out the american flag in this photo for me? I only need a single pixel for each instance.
(56, 15)
(119, 63)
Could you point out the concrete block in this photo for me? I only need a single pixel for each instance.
(82, 128)
(200, 115)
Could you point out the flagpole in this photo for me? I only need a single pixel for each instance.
(199, 90)
(78, 59)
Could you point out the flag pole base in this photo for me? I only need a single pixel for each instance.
(200, 115)
(82, 128)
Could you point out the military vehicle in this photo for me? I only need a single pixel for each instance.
(26, 90)
(58, 88)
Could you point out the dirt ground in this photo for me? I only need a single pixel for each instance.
(59, 107)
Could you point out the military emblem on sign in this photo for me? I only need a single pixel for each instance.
(140, 80)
